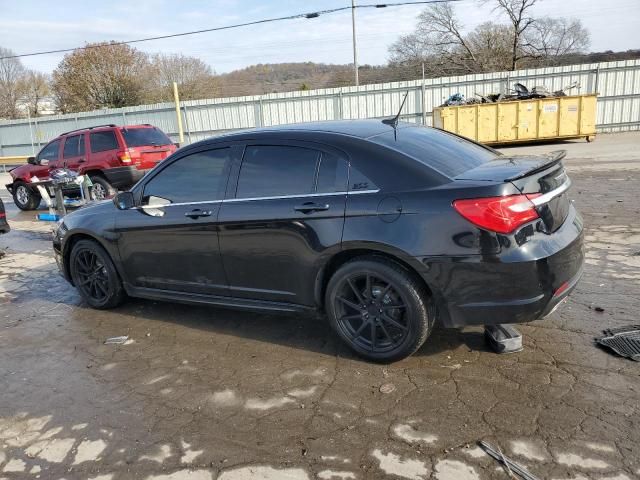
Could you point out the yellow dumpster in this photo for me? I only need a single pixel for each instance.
(522, 120)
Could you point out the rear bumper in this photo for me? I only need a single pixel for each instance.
(510, 288)
(123, 177)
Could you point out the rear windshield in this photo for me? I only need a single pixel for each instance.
(448, 154)
(138, 137)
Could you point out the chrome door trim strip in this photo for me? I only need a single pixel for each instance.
(253, 199)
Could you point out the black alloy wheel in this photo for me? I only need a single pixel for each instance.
(95, 276)
(379, 309)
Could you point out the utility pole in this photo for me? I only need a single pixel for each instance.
(176, 99)
(355, 48)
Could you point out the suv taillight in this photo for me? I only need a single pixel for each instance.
(498, 214)
(124, 156)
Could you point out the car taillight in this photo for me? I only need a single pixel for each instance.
(498, 214)
(124, 156)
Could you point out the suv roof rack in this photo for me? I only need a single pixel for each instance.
(88, 128)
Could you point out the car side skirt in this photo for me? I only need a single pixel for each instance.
(220, 301)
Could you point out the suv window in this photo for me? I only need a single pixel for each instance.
(103, 141)
(448, 154)
(332, 174)
(197, 177)
(73, 146)
(138, 137)
(50, 152)
(276, 171)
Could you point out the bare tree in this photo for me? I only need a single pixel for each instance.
(194, 78)
(102, 76)
(554, 37)
(441, 41)
(517, 12)
(36, 89)
(12, 84)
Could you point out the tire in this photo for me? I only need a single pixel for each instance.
(398, 313)
(101, 188)
(94, 275)
(24, 197)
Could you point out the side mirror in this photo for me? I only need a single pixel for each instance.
(31, 160)
(176, 144)
(124, 201)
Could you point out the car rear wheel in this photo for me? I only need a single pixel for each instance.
(379, 309)
(95, 276)
(24, 197)
(101, 188)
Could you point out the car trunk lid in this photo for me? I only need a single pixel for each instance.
(542, 178)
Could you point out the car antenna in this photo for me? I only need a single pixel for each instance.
(394, 120)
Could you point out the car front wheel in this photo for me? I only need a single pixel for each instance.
(25, 198)
(95, 276)
(379, 309)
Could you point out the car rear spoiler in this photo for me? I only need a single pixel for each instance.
(548, 160)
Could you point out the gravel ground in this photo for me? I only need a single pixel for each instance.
(203, 393)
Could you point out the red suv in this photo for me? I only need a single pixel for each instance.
(114, 158)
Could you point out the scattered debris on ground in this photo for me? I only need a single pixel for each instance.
(625, 341)
(511, 466)
(116, 340)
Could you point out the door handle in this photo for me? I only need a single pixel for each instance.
(197, 213)
(82, 160)
(309, 207)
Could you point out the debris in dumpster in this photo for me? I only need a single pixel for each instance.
(519, 92)
(116, 340)
(625, 341)
(511, 466)
(503, 338)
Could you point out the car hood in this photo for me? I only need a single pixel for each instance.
(102, 207)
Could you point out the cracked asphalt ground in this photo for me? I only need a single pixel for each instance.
(205, 393)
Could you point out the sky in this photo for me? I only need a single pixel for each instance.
(33, 25)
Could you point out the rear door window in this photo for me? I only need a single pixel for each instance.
(448, 154)
(103, 141)
(198, 177)
(273, 170)
(141, 137)
(332, 174)
(51, 152)
(73, 146)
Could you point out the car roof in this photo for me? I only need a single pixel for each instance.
(355, 128)
(102, 127)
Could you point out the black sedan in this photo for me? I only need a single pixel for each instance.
(386, 229)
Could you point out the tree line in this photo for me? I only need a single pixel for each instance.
(110, 75)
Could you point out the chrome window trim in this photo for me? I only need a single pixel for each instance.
(547, 197)
(253, 199)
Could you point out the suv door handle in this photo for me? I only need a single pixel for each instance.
(197, 213)
(82, 160)
(309, 207)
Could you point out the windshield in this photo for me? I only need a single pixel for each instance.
(448, 154)
(138, 137)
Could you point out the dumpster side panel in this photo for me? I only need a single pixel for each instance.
(507, 121)
(467, 120)
(588, 115)
(527, 120)
(548, 119)
(487, 123)
(569, 116)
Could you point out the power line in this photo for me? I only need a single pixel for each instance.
(237, 25)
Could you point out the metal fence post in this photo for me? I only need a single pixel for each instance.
(124, 118)
(186, 122)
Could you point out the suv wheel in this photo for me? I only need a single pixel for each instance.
(379, 309)
(95, 276)
(101, 188)
(24, 197)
